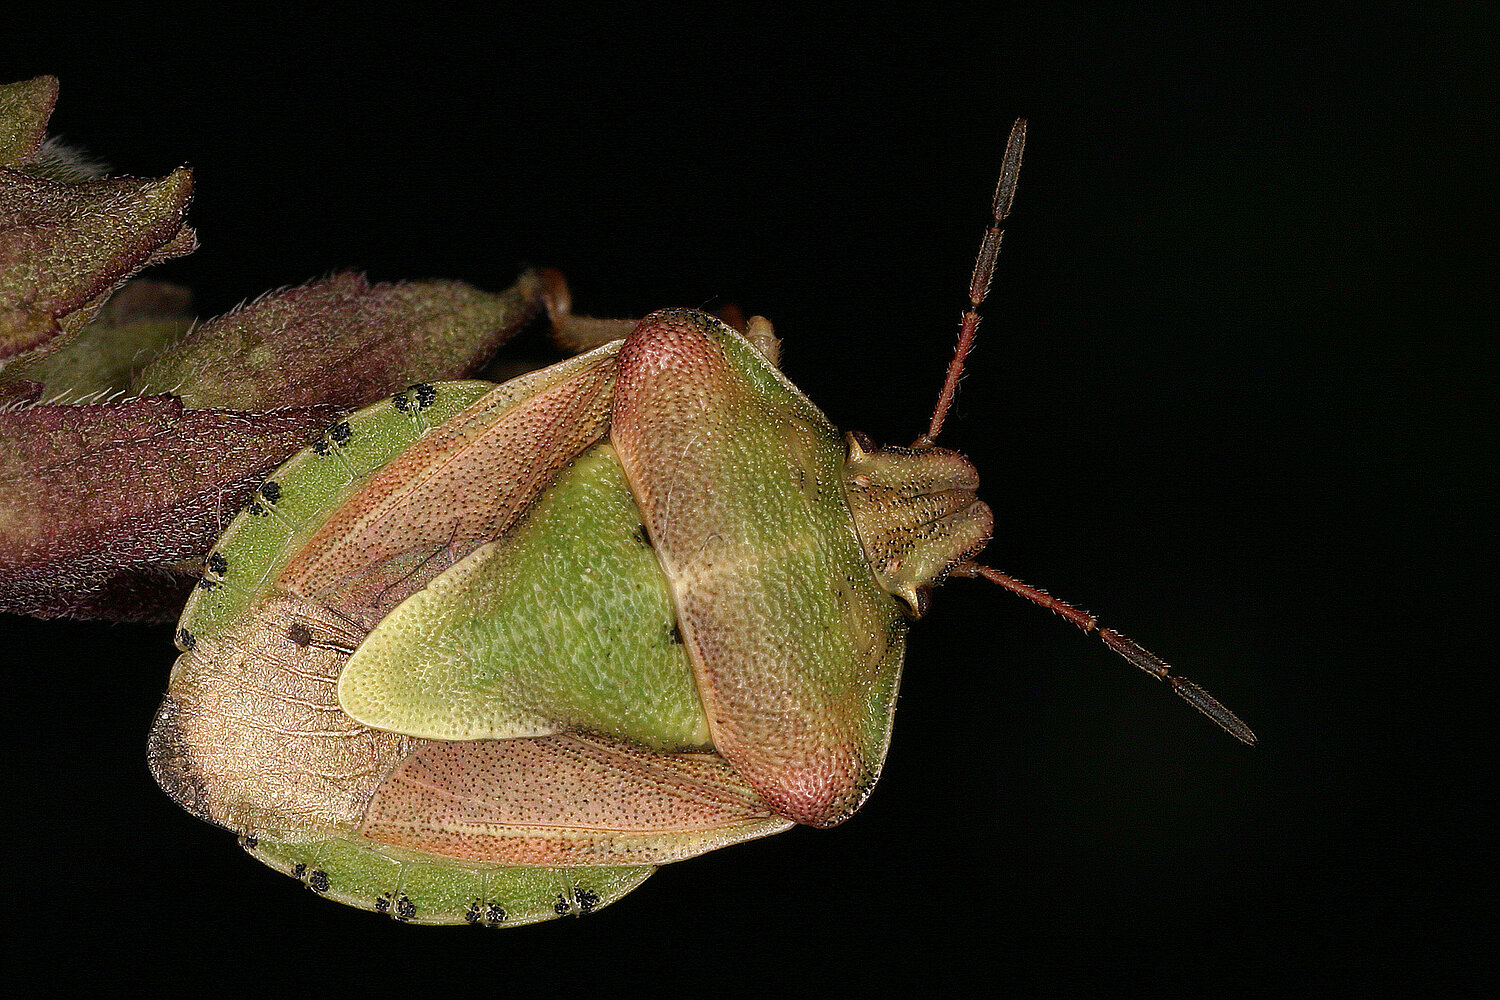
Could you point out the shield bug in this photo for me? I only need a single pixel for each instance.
(492, 653)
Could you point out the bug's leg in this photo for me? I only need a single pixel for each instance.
(1132, 651)
(979, 281)
(572, 333)
(759, 331)
(577, 334)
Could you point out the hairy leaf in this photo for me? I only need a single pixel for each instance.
(136, 324)
(64, 247)
(341, 340)
(106, 509)
(25, 109)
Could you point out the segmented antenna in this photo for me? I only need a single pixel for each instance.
(1132, 651)
(979, 289)
(979, 282)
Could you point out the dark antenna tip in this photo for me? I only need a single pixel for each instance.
(1130, 650)
(979, 281)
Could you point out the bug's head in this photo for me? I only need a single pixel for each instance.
(916, 513)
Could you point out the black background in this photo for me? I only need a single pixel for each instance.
(1229, 395)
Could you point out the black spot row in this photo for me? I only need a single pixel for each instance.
(486, 915)
(416, 397)
(399, 908)
(584, 899)
(215, 564)
(338, 435)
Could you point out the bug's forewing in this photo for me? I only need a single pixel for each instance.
(250, 734)
(796, 647)
(464, 483)
(564, 800)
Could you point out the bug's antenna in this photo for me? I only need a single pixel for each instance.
(1146, 660)
(979, 282)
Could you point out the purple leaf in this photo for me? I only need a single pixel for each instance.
(106, 509)
(341, 340)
